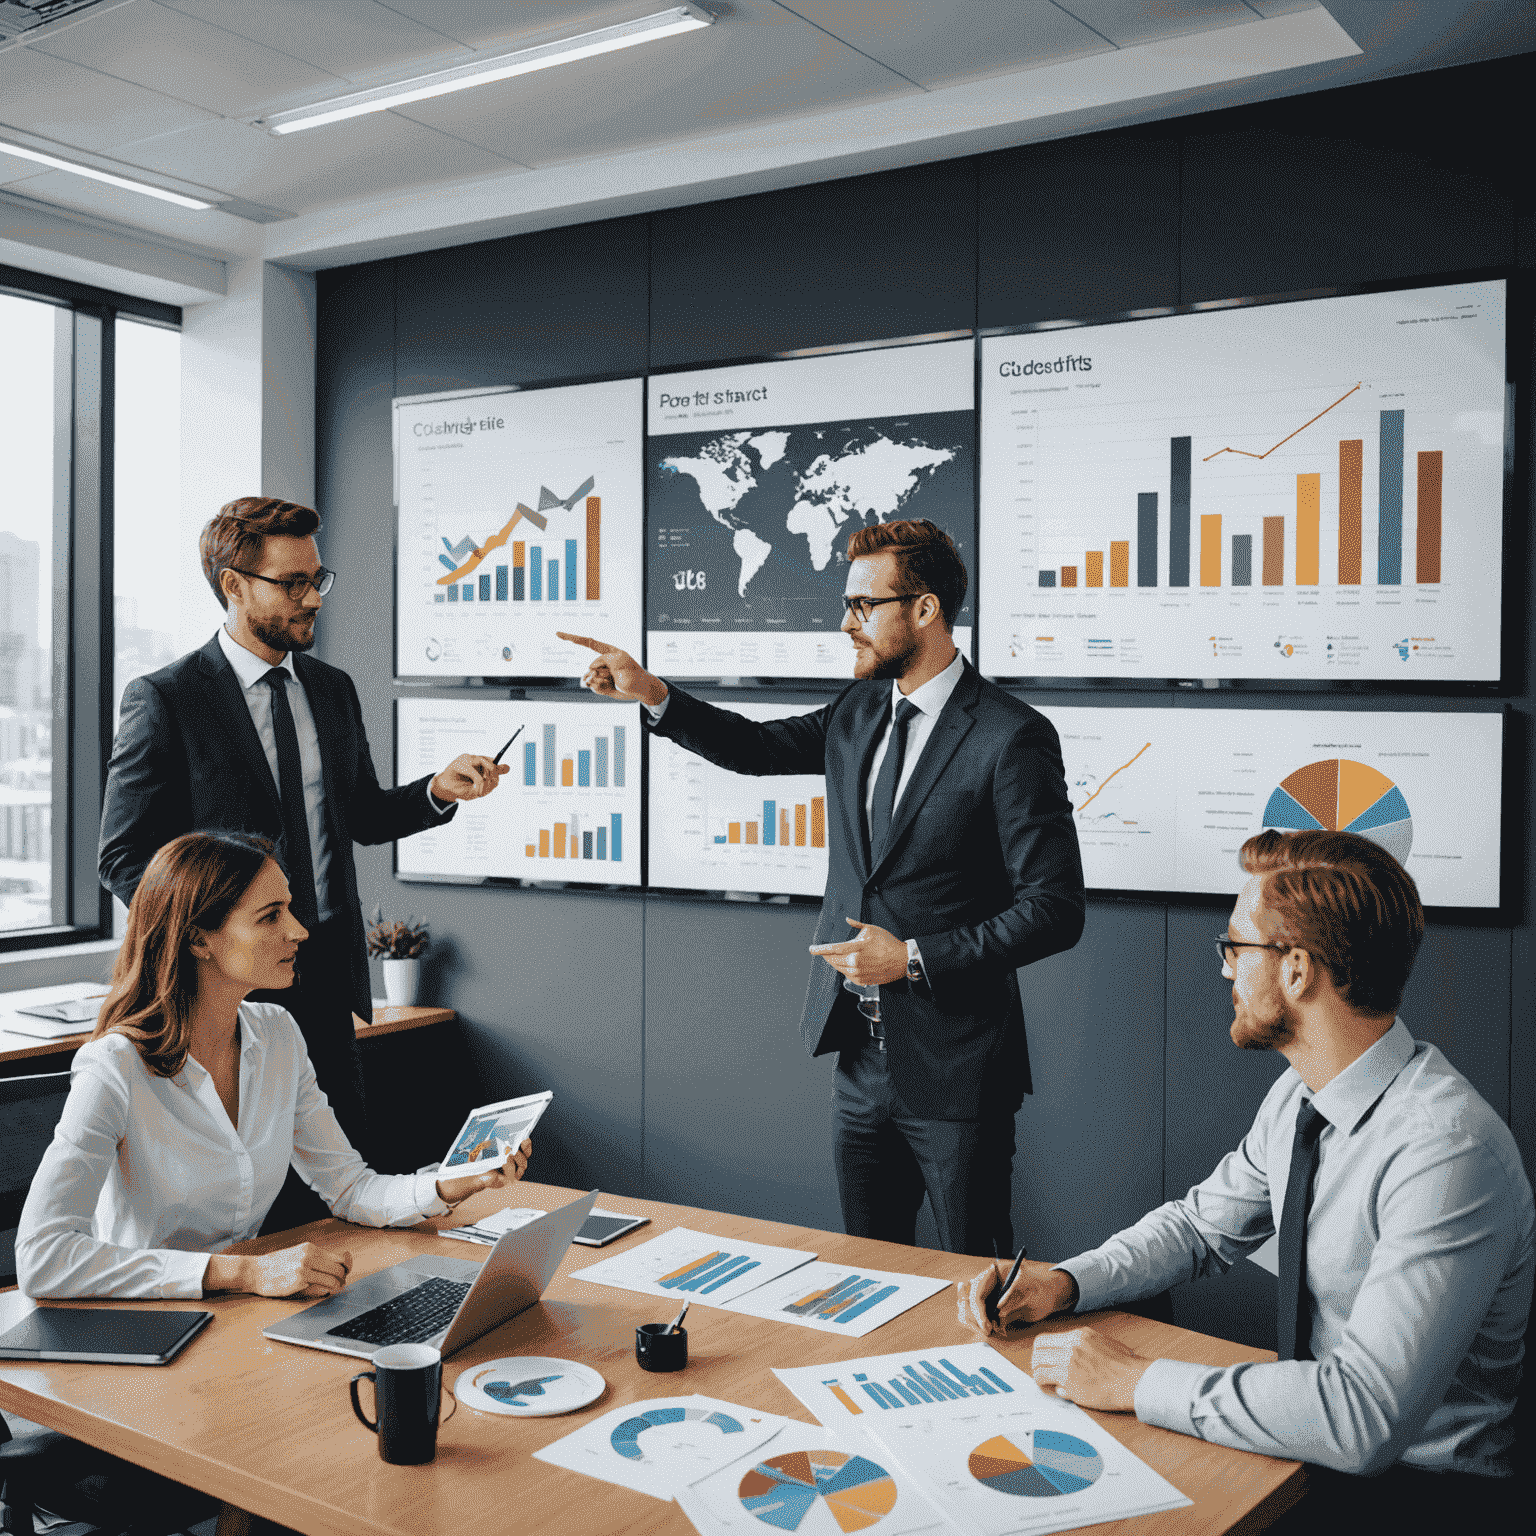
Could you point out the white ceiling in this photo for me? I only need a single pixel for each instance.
(776, 92)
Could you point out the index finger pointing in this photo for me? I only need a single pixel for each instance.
(592, 645)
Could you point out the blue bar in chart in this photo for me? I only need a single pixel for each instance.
(865, 1304)
(600, 762)
(485, 586)
(530, 764)
(570, 570)
(501, 583)
(882, 1397)
(617, 844)
(602, 842)
(770, 821)
(618, 760)
(1389, 527)
(586, 845)
(535, 573)
(549, 748)
(554, 581)
(584, 769)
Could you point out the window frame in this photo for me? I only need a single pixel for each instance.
(83, 611)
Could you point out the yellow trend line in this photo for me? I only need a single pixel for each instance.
(1284, 440)
(495, 541)
(1100, 790)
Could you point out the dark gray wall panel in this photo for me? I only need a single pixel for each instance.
(843, 261)
(737, 1115)
(552, 305)
(1458, 999)
(1077, 228)
(1090, 1137)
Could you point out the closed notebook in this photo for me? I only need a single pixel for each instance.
(111, 1335)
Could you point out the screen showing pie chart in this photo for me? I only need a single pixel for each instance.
(818, 1491)
(1341, 795)
(1057, 1464)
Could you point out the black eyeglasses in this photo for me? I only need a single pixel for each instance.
(862, 607)
(1226, 947)
(295, 586)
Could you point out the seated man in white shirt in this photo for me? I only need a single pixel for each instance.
(185, 1110)
(1404, 1218)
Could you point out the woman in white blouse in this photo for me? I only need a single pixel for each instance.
(188, 1104)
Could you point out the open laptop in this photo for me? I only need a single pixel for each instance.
(437, 1300)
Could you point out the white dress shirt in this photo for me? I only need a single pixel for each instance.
(145, 1176)
(1419, 1262)
(251, 671)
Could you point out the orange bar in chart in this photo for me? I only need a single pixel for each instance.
(799, 827)
(1210, 550)
(733, 832)
(1069, 575)
(543, 844)
(594, 545)
(1093, 575)
(783, 829)
(567, 772)
(1119, 562)
(1309, 501)
(845, 1400)
(704, 1263)
(1274, 552)
(1431, 468)
(818, 821)
(1351, 472)
(751, 831)
(531, 850)
(559, 851)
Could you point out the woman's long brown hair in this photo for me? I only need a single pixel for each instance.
(193, 883)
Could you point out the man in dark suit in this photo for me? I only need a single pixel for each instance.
(953, 856)
(250, 733)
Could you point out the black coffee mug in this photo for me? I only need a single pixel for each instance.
(658, 1349)
(407, 1391)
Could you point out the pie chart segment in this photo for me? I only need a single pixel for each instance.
(1341, 795)
(785, 1491)
(625, 1438)
(1061, 1464)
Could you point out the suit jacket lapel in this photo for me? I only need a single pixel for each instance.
(870, 713)
(949, 730)
(227, 703)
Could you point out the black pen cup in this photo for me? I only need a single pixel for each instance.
(660, 1347)
(408, 1392)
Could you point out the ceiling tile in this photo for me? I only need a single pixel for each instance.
(495, 23)
(184, 57)
(363, 157)
(14, 171)
(742, 70)
(210, 232)
(352, 39)
(58, 100)
(932, 43)
(1128, 22)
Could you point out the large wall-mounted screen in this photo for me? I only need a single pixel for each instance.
(1310, 490)
(1164, 798)
(714, 830)
(757, 475)
(518, 515)
(569, 810)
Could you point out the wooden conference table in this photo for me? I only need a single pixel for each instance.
(268, 1427)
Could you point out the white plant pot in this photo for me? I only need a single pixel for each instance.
(402, 981)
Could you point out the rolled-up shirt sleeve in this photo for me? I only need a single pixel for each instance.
(333, 1168)
(1447, 1230)
(57, 1253)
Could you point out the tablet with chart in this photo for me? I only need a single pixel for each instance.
(1310, 490)
(518, 515)
(1164, 798)
(756, 476)
(714, 830)
(569, 810)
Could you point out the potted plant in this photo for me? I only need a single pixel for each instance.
(401, 946)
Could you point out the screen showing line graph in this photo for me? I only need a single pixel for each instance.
(519, 515)
(569, 809)
(1309, 490)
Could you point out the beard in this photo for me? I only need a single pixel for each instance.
(869, 663)
(284, 634)
(1263, 1028)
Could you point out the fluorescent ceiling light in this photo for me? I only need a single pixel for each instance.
(668, 23)
(126, 182)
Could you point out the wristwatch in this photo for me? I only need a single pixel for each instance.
(914, 962)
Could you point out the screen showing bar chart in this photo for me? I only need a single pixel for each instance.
(1309, 490)
(569, 809)
(519, 515)
(713, 830)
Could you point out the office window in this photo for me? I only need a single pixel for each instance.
(29, 343)
(146, 592)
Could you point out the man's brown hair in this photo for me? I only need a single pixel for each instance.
(1348, 903)
(926, 560)
(234, 538)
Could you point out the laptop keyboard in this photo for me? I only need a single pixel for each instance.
(411, 1317)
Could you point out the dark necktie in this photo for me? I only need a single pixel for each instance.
(1294, 1317)
(290, 773)
(883, 807)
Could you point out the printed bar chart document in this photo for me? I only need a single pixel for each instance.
(834, 1298)
(693, 1266)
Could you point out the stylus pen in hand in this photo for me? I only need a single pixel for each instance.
(513, 737)
(995, 1300)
